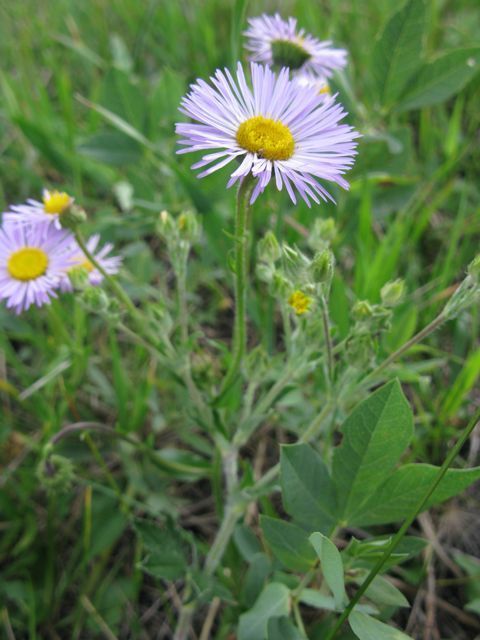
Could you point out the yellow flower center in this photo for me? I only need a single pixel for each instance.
(270, 139)
(300, 302)
(87, 265)
(27, 264)
(56, 202)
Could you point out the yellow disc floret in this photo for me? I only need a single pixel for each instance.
(27, 264)
(269, 139)
(56, 202)
(300, 302)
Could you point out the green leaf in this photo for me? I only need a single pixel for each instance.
(376, 434)
(208, 588)
(307, 489)
(365, 553)
(246, 542)
(314, 598)
(111, 148)
(396, 54)
(382, 591)
(255, 578)
(289, 543)
(282, 628)
(463, 383)
(332, 568)
(396, 498)
(273, 602)
(168, 555)
(367, 628)
(439, 80)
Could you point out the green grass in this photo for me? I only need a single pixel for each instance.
(73, 75)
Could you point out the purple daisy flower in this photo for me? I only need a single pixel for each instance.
(111, 264)
(279, 128)
(273, 41)
(52, 207)
(33, 259)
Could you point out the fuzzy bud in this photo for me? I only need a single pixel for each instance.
(268, 249)
(321, 268)
(72, 217)
(323, 233)
(265, 272)
(280, 285)
(79, 278)
(55, 473)
(188, 225)
(392, 292)
(362, 310)
(166, 227)
(95, 299)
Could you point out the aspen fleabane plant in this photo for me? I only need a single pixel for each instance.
(54, 204)
(278, 129)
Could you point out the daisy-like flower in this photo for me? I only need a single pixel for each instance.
(300, 302)
(52, 207)
(33, 259)
(111, 265)
(279, 128)
(273, 41)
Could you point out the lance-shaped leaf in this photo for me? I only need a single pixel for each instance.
(282, 629)
(376, 434)
(396, 54)
(439, 80)
(332, 568)
(307, 489)
(367, 628)
(395, 499)
(289, 543)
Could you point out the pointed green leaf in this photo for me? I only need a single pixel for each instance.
(274, 601)
(396, 54)
(376, 434)
(289, 543)
(367, 628)
(395, 499)
(307, 489)
(382, 591)
(255, 578)
(314, 598)
(439, 80)
(168, 555)
(332, 568)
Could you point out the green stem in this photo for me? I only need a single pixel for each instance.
(316, 423)
(241, 270)
(399, 352)
(328, 339)
(232, 515)
(406, 525)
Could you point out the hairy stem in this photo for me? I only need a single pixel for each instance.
(241, 271)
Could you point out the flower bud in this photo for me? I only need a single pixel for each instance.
(55, 473)
(79, 277)
(321, 267)
(362, 310)
(72, 216)
(360, 351)
(166, 227)
(280, 286)
(286, 53)
(265, 272)
(323, 233)
(268, 249)
(392, 292)
(95, 299)
(474, 269)
(188, 225)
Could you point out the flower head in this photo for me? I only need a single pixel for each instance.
(53, 206)
(111, 265)
(273, 41)
(300, 302)
(277, 128)
(33, 259)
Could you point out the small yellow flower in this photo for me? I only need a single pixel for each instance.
(300, 302)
